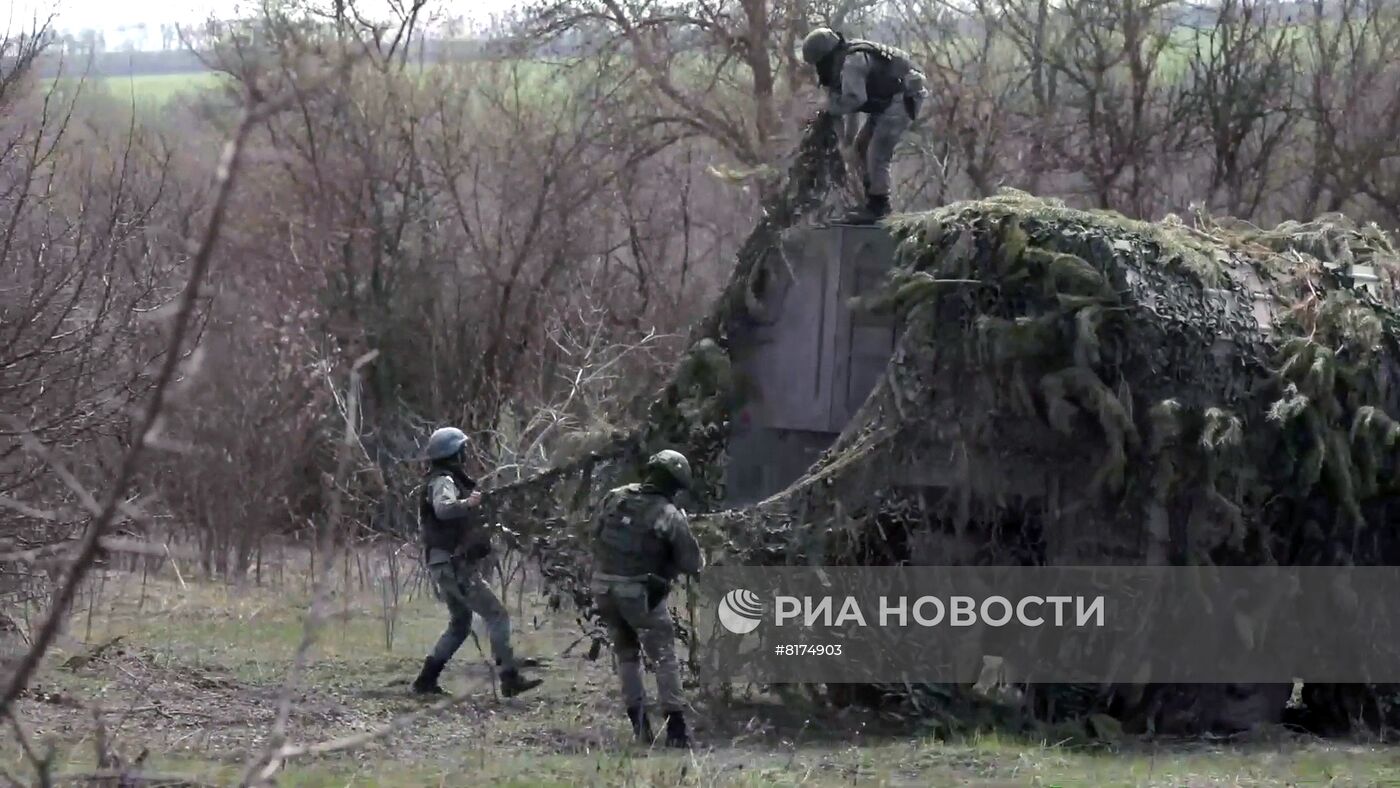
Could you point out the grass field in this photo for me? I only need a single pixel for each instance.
(196, 676)
(152, 89)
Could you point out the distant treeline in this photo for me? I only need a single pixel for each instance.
(183, 61)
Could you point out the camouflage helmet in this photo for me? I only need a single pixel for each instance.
(819, 43)
(445, 443)
(673, 463)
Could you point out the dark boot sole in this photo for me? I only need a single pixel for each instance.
(517, 690)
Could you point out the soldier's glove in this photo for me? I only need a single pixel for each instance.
(657, 589)
(914, 105)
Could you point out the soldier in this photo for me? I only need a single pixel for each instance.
(642, 542)
(880, 81)
(455, 548)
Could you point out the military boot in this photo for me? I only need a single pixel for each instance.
(641, 726)
(877, 207)
(675, 730)
(427, 681)
(513, 684)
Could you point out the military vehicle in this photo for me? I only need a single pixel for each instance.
(1026, 383)
(808, 360)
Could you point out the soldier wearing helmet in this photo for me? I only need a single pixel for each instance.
(455, 547)
(881, 82)
(641, 543)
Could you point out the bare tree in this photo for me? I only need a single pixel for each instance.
(84, 263)
(728, 71)
(974, 110)
(1243, 91)
(147, 427)
(1109, 61)
(1354, 117)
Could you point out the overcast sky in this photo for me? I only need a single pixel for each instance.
(108, 15)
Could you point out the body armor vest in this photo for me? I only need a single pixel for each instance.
(442, 534)
(626, 542)
(885, 81)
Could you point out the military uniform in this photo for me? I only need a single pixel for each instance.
(455, 549)
(879, 81)
(642, 543)
(456, 562)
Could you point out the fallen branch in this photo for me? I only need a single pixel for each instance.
(136, 778)
(288, 751)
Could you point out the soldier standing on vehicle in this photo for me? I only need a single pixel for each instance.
(642, 543)
(883, 83)
(456, 547)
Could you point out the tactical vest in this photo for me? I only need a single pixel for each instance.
(440, 534)
(627, 542)
(888, 68)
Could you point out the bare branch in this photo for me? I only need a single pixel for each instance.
(224, 181)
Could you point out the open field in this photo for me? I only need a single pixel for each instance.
(154, 89)
(196, 674)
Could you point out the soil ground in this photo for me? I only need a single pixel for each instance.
(197, 672)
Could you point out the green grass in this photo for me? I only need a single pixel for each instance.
(159, 88)
(146, 90)
(201, 665)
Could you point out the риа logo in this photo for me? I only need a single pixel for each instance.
(740, 611)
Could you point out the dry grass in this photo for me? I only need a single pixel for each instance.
(195, 676)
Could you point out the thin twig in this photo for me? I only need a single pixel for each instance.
(42, 766)
(176, 567)
(7, 502)
(263, 766)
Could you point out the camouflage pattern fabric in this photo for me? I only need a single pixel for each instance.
(463, 588)
(633, 628)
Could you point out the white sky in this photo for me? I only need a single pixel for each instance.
(108, 15)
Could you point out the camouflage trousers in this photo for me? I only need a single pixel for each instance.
(879, 135)
(634, 628)
(462, 587)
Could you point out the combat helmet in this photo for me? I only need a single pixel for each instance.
(819, 44)
(674, 464)
(445, 443)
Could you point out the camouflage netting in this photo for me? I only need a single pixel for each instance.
(1069, 388)
(1074, 388)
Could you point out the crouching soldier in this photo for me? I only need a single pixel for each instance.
(642, 542)
(456, 546)
(882, 83)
